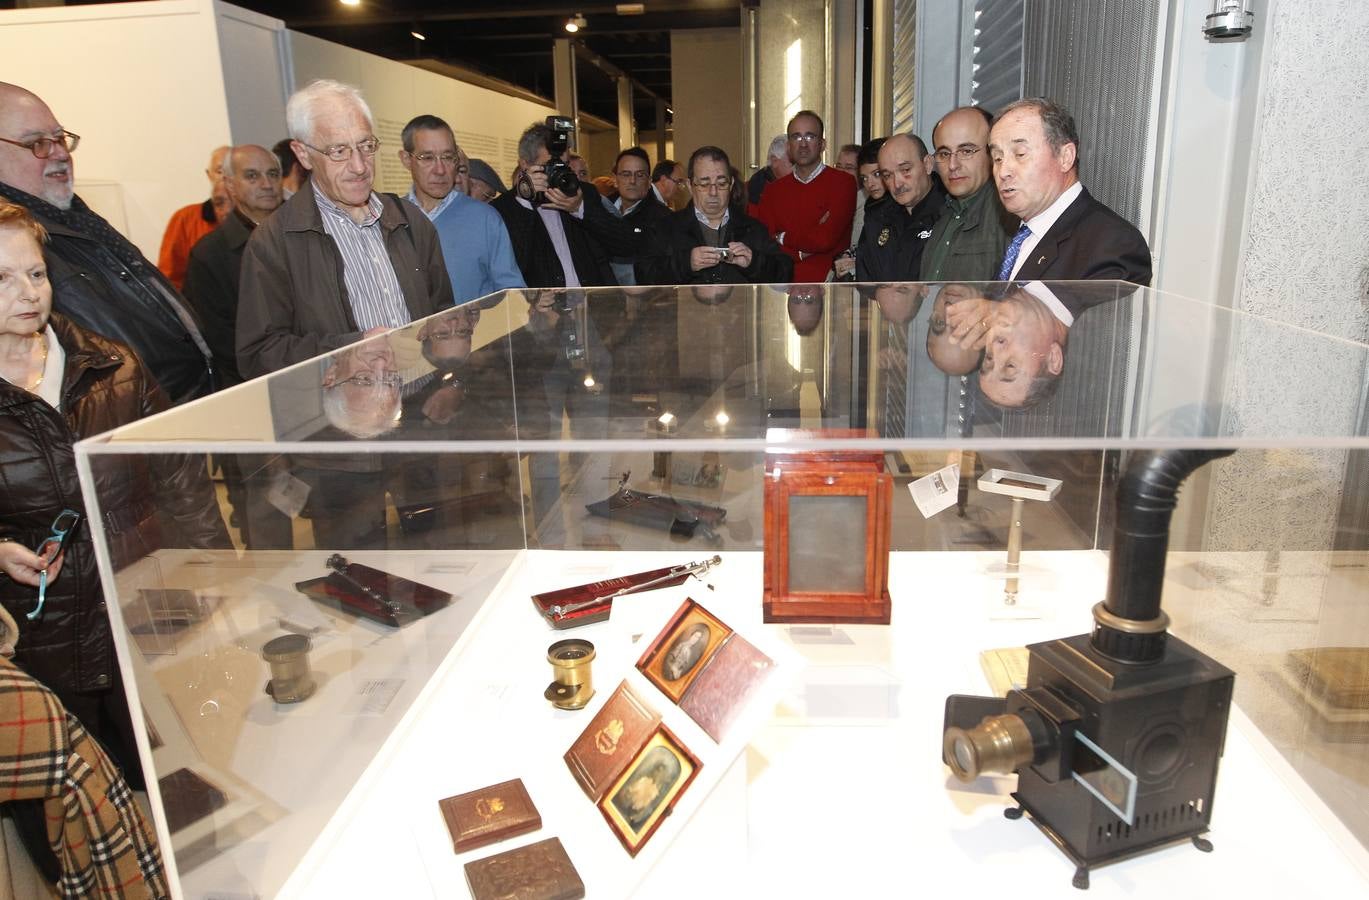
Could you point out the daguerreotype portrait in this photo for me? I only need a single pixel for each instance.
(647, 790)
(682, 649)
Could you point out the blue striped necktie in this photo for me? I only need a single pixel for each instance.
(1010, 258)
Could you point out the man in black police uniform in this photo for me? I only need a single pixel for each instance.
(895, 232)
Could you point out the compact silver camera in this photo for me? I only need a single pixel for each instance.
(724, 254)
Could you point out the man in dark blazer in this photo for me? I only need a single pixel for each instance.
(551, 244)
(1065, 234)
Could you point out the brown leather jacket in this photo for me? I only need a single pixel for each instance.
(292, 300)
(104, 385)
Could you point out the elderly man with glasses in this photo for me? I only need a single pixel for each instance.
(100, 280)
(475, 242)
(711, 241)
(337, 261)
(336, 264)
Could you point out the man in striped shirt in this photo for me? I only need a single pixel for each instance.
(337, 261)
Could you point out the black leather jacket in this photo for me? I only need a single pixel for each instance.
(70, 648)
(668, 262)
(135, 306)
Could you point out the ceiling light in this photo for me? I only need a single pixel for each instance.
(418, 36)
(350, 2)
(630, 9)
(575, 23)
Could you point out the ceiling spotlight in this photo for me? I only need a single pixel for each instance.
(575, 23)
(419, 36)
(350, 2)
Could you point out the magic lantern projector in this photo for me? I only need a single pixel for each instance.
(1117, 735)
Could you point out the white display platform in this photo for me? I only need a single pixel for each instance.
(285, 768)
(845, 793)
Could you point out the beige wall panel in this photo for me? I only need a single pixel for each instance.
(706, 90)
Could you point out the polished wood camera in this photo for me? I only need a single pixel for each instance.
(827, 515)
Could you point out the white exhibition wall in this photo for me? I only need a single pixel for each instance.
(154, 87)
(487, 124)
(141, 83)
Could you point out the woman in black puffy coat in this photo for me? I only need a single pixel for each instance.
(58, 384)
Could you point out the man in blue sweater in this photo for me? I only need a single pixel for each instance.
(475, 243)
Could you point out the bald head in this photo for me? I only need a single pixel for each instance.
(906, 168)
(215, 170)
(251, 174)
(24, 117)
(961, 141)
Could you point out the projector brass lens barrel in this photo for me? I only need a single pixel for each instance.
(998, 745)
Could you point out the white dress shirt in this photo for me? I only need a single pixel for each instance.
(1040, 223)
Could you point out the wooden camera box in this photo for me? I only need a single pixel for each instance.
(827, 515)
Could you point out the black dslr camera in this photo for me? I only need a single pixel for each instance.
(559, 174)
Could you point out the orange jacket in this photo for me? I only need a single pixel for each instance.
(188, 224)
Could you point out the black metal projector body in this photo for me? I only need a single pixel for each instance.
(1154, 706)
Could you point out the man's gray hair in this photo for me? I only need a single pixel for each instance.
(532, 140)
(227, 166)
(1056, 122)
(779, 148)
(303, 104)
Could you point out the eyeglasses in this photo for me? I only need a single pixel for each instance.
(961, 153)
(41, 147)
(367, 380)
(634, 176)
(806, 137)
(343, 152)
(427, 159)
(721, 184)
(62, 526)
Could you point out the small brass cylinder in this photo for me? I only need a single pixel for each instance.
(998, 745)
(570, 665)
(291, 680)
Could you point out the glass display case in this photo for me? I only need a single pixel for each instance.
(370, 645)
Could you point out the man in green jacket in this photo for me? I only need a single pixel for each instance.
(968, 241)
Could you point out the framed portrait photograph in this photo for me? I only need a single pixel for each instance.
(646, 792)
(682, 649)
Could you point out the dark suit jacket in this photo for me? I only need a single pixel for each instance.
(1088, 241)
(211, 286)
(535, 253)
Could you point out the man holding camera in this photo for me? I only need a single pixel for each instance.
(544, 213)
(711, 242)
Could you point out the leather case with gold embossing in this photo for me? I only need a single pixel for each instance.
(613, 737)
(540, 871)
(489, 815)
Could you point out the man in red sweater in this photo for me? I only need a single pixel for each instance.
(809, 211)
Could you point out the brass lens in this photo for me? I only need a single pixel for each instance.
(998, 745)
(570, 664)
